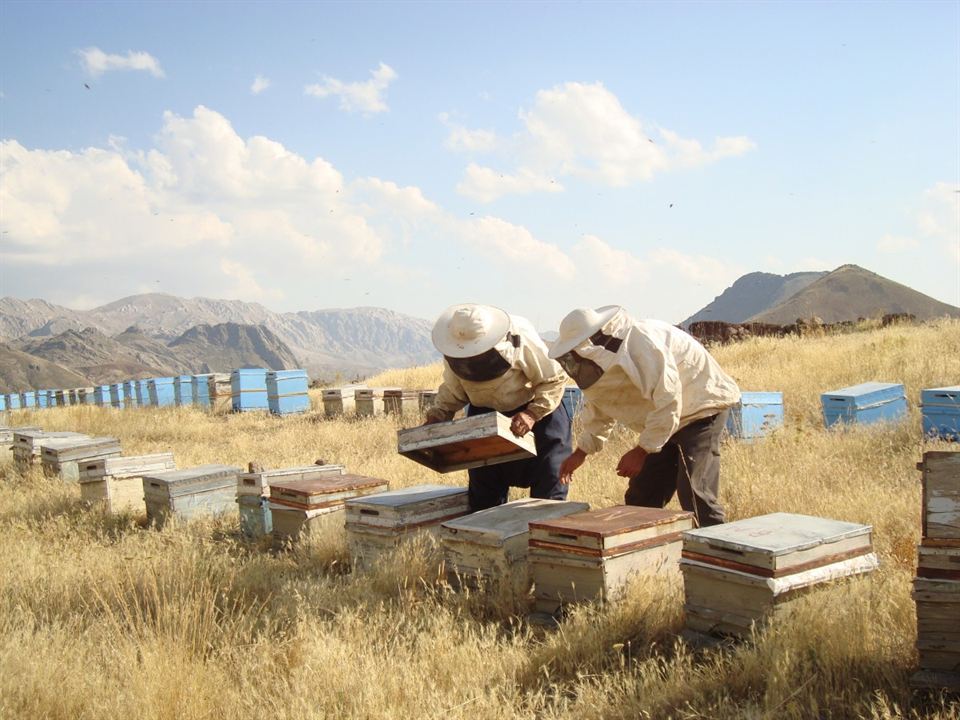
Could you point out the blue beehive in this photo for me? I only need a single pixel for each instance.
(28, 399)
(248, 389)
(940, 408)
(287, 391)
(756, 415)
(143, 392)
(13, 401)
(43, 398)
(116, 395)
(161, 392)
(183, 390)
(130, 393)
(51, 398)
(201, 390)
(572, 400)
(101, 395)
(865, 403)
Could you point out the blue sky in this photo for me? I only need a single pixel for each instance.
(536, 156)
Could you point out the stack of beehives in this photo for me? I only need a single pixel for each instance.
(370, 401)
(61, 457)
(594, 555)
(379, 523)
(6, 435)
(253, 493)
(936, 588)
(315, 501)
(340, 401)
(190, 493)
(27, 445)
(739, 574)
(401, 402)
(117, 482)
(491, 546)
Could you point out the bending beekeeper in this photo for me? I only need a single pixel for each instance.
(661, 383)
(496, 361)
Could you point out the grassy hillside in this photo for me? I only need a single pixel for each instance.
(102, 619)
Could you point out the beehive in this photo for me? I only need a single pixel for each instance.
(61, 397)
(72, 396)
(491, 546)
(741, 573)
(143, 392)
(43, 398)
(221, 396)
(194, 492)
(161, 392)
(129, 393)
(28, 399)
(370, 401)
(756, 415)
(61, 457)
(200, 387)
(27, 446)
(6, 434)
(401, 402)
(248, 390)
(253, 494)
(464, 443)
(940, 409)
(3, 402)
(117, 482)
(378, 523)
(116, 395)
(427, 400)
(12, 401)
(183, 390)
(340, 401)
(864, 404)
(85, 396)
(593, 555)
(941, 497)
(312, 503)
(287, 392)
(101, 396)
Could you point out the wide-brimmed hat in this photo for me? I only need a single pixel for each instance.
(580, 324)
(467, 330)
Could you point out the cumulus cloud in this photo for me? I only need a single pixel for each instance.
(462, 139)
(96, 62)
(260, 83)
(365, 97)
(486, 184)
(582, 130)
(516, 246)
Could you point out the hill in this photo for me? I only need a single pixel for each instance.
(211, 348)
(752, 294)
(21, 371)
(850, 292)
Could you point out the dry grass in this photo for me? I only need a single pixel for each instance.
(100, 618)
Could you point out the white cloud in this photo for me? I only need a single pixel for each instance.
(366, 97)
(462, 139)
(485, 184)
(894, 244)
(515, 246)
(616, 267)
(96, 62)
(260, 83)
(582, 130)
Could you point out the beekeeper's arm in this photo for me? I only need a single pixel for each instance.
(451, 397)
(545, 375)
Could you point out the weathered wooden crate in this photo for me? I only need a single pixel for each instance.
(6, 434)
(370, 401)
(85, 396)
(195, 492)
(183, 390)
(376, 524)
(941, 497)
(305, 505)
(427, 400)
(740, 573)
(117, 482)
(866, 403)
(340, 401)
(161, 392)
(938, 628)
(491, 546)
(940, 409)
(221, 395)
(287, 392)
(125, 466)
(101, 396)
(253, 493)
(248, 388)
(200, 387)
(401, 402)
(116, 395)
(62, 457)
(593, 555)
(60, 397)
(756, 415)
(465, 443)
(143, 392)
(27, 446)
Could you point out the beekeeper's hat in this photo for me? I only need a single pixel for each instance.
(468, 330)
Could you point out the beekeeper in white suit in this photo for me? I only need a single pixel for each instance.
(497, 361)
(661, 383)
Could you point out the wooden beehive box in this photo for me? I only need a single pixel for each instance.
(221, 393)
(492, 545)
(940, 408)
(161, 392)
(183, 390)
(143, 392)
(465, 443)
(193, 492)
(866, 403)
(756, 415)
(301, 506)
(28, 399)
(593, 555)
(248, 388)
(938, 632)
(287, 392)
(378, 523)
(401, 402)
(941, 498)
(6, 434)
(200, 388)
(27, 445)
(117, 482)
(253, 493)
(62, 457)
(116, 396)
(370, 401)
(129, 394)
(739, 573)
(427, 400)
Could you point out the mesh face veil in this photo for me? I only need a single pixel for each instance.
(484, 367)
(584, 372)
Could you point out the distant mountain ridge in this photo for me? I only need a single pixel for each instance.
(751, 294)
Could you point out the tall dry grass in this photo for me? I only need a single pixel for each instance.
(100, 618)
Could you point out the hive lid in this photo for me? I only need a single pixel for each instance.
(319, 490)
(198, 478)
(409, 496)
(867, 393)
(616, 520)
(497, 524)
(777, 533)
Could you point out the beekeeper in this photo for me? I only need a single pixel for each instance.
(496, 361)
(661, 383)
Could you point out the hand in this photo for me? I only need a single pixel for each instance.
(631, 463)
(571, 465)
(522, 423)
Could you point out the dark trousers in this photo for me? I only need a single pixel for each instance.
(490, 485)
(689, 465)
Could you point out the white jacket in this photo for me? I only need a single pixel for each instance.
(533, 380)
(659, 380)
